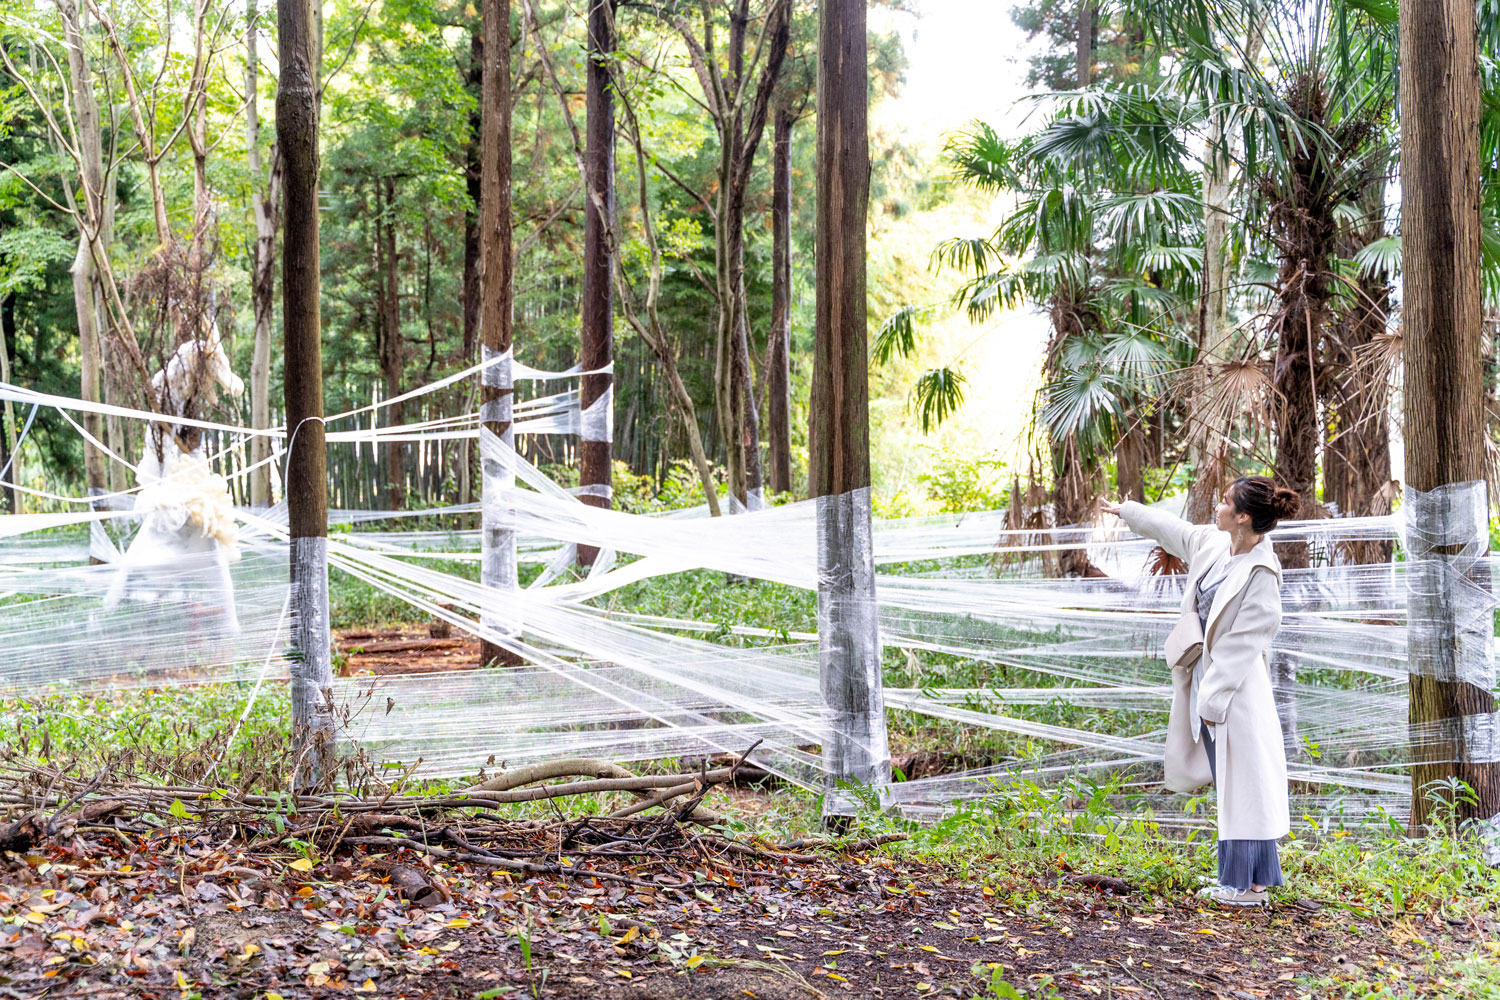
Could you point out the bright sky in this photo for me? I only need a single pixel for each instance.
(966, 61)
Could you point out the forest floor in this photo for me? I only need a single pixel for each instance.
(404, 650)
(189, 913)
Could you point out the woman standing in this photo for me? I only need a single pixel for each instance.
(1223, 725)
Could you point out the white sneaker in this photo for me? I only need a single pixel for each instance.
(1228, 896)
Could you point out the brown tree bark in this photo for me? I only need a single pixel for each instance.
(1357, 455)
(1130, 458)
(1452, 669)
(388, 342)
(1084, 42)
(265, 199)
(778, 353)
(306, 486)
(856, 750)
(92, 235)
(474, 81)
(597, 391)
(500, 614)
(9, 431)
(1305, 232)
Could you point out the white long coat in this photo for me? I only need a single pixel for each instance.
(1235, 692)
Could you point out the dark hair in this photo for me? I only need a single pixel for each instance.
(1264, 501)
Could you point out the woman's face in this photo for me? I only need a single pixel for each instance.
(1225, 517)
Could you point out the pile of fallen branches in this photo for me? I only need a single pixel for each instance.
(665, 825)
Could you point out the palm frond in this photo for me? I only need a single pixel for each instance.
(897, 335)
(1085, 401)
(1149, 215)
(938, 395)
(981, 158)
(973, 253)
(1382, 256)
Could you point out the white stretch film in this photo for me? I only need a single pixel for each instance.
(639, 687)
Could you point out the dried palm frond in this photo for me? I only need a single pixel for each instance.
(1376, 363)
(1234, 390)
(1163, 563)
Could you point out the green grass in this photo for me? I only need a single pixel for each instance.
(1473, 976)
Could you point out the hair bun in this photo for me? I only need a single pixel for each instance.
(1286, 503)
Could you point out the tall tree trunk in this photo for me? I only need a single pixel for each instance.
(265, 199)
(1451, 656)
(474, 82)
(307, 482)
(92, 236)
(1084, 42)
(1357, 456)
(740, 114)
(856, 748)
(1305, 230)
(778, 353)
(1130, 457)
(1297, 423)
(501, 611)
(596, 437)
(9, 432)
(1205, 443)
(392, 347)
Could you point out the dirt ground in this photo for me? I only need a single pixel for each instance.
(410, 650)
(192, 915)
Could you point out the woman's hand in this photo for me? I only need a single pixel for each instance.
(1109, 507)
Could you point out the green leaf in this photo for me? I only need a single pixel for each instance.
(938, 395)
(897, 335)
(181, 811)
(498, 991)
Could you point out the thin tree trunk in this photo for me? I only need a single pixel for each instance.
(307, 482)
(739, 116)
(9, 432)
(501, 611)
(1130, 456)
(474, 82)
(778, 353)
(1205, 444)
(596, 395)
(650, 327)
(91, 232)
(856, 748)
(391, 346)
(1084, 43)
(265, 201)
(1451, 656)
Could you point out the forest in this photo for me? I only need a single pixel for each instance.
(566, 497)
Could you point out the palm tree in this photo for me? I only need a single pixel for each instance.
(1300, 107)
(1103, 239)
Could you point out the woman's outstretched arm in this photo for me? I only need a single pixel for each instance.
(1181, 538)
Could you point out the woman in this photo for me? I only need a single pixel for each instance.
(1223, 726)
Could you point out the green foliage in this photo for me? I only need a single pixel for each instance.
(896, 336)
(960, 484)
(937, 394)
